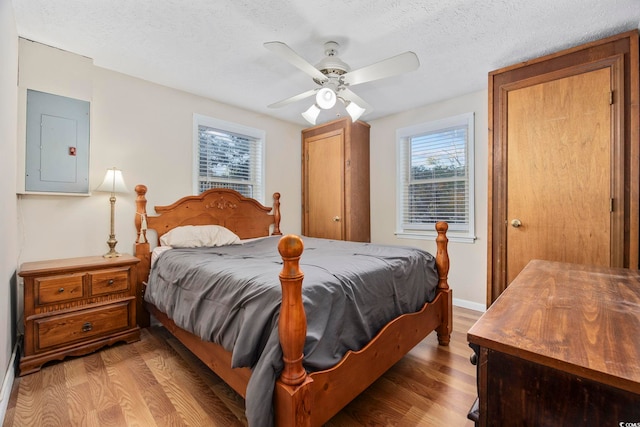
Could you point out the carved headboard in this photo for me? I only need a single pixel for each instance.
(246, 217)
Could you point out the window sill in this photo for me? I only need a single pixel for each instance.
(432, 235)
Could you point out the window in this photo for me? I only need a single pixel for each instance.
(228, 155)
(435, 178)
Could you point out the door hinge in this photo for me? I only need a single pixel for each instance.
(611, 207)
(611, 98)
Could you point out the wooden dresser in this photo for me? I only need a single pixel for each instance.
(561, 347)
(75, 306)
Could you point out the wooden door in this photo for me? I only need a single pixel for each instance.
(559, 172)
(564, 159)
(324, 192)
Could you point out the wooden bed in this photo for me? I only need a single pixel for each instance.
(300, 398)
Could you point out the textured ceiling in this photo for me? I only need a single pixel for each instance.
(214, 48)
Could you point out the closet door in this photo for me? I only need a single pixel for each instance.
(324, 157)
(564, 160)
(559, 173)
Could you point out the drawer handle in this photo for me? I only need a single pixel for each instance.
(61, 290)
(110, 282)
(87, 327)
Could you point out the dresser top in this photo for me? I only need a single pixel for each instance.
(66, 265)
(580, 319)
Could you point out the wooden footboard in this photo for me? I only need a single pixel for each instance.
(300, 399)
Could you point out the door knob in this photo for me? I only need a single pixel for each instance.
(515, 223)
(336, 219)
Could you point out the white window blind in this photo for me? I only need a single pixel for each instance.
(435, 171)
(227, 158)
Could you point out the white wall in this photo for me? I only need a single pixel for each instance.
(468, 273)
(8, 215)
(145, 130)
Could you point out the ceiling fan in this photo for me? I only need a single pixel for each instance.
(334, 78)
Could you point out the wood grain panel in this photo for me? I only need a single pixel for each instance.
(68, 328)
(570, 317)
(560, 347)
(215, 206)
(58, 289)
(109, 281)
(559, 171)
(54, 382)
(325, 201)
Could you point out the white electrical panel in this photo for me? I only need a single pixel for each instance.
(57, 144)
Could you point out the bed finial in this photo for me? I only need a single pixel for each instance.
(276, 215)
(141, 211)
(141, 190)
(442, 257)
(292, 325)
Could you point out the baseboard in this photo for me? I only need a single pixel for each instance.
(7, 384)
(470, 305)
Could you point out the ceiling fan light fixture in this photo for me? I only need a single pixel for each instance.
(312, 113)
(326, 98)
(335, 79)
(354, 110)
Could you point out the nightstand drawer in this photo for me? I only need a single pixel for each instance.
(57, 289)
(109, 281)
(66, 329)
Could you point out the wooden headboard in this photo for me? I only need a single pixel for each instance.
(246, 217)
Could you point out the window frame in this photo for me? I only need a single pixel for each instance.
(235, 128)
(403, 136)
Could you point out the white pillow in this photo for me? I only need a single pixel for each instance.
(196, 236)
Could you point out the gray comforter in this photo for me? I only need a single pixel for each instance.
(231, 295)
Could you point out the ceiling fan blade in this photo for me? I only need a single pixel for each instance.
(398, 64)
(290, 55)
(293, 99)
(348, 95)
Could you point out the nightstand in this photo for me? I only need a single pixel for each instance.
(75, 306)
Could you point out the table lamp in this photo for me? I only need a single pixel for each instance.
(113, 183)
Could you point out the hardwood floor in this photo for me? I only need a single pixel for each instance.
(157, 382)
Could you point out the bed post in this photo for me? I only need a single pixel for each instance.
(292, 404)
(442, 263)
(276, 215)
(142, 252)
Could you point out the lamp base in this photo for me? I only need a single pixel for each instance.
(112, 254)
(112, 242)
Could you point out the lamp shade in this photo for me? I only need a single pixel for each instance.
(326, 98)
(354, 110)
(311, 115)
(113, 182)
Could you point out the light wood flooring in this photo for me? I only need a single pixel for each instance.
(158, 382)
